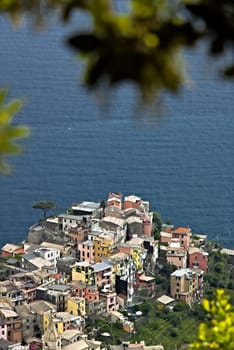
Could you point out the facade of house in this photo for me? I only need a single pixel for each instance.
(183, 234)
(86, 251)
(79, 233)
(76, 306)
(49, 254)
(117, 225)
(3, 330)
(83, 272)
(55, 294)
(110, 300)
(11, 250)
(12, 324)
(176, 255)
(86, 209)
(103, 275)
(132, 201)
(114, 199)
(28, 321)
(103, 245)
(186, 285)
(145, 282)
(197, 259)
(9, 291)
(68, 221)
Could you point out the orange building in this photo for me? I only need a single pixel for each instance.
(183, 234)
(115, 199)
(11, 250)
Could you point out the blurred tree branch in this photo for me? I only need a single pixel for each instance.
(143, 44)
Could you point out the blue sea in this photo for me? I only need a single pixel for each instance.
(178, 154)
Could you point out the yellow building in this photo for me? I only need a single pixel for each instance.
(61, 321)
(103, 245)
(83, 272)
(56, 321)
(76, 306)
(136, 254)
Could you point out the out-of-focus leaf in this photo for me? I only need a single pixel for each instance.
(85, 42)
(229, 71)
(8, 131)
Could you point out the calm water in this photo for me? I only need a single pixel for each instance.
(182, 162)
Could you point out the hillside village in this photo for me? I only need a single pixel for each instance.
(95, 260)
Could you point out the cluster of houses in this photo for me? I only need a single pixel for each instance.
(95, 259)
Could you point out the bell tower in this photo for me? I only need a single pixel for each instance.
(51, 340)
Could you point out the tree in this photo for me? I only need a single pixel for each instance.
(45, 206)
(143, 42)
(9, 132)
(218, 331)
(157, 221)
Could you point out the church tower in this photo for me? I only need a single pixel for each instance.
(51, 340)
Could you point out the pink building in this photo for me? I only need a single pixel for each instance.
(176, 255)
(145, 282)
(81, 290)
(103, 275)
(111, 300)
(3, 331)
(166, 233)
(147, 227)
(183, 234)
(91, 294)
(198, 259)
(78, 234)
(86, 250)
(78, 289)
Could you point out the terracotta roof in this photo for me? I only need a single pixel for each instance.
(10, 248)
(182, 230)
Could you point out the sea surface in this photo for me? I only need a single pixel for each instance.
(179, 154)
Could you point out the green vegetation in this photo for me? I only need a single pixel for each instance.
(177, 328)
(144, 42)
(45, 206)
(159, 325)
(218, 330)
(219, 275)
(9, 132)
(157, 222)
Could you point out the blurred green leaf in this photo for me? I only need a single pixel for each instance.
(8, 131)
